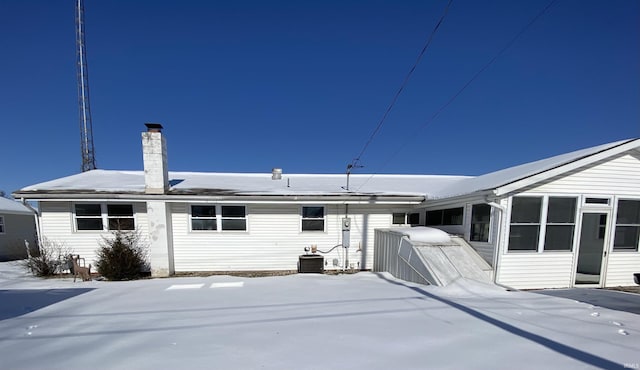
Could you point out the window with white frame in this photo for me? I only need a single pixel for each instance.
(527, 223)
(88, 216)
(203, 218)
(313, 218)
(95, 216)
(217, 217)
(234, 218)
(627, 232)
(480, 222)
(401, 218)
(120, 217)
(561, 224)
(1, 224)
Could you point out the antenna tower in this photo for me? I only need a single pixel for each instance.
(86, 131)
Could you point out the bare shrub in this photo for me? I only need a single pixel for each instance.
(51, 259)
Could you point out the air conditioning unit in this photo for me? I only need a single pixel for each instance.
(311, 263)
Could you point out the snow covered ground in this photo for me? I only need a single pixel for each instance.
(304, 321)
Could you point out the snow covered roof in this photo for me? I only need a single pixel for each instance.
(260, 184)
(8, 206)
(199, 183)
(542, 168)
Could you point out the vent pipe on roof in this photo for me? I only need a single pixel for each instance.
(276, 174)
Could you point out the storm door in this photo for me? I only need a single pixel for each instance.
(591, 249)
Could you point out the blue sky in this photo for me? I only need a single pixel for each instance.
(244, 86)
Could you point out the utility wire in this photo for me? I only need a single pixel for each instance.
(356, 160)
(464, 87)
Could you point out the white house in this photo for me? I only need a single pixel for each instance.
(530, 222)
(17, 226)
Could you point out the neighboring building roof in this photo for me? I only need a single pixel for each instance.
(8, 206)
(517, 177)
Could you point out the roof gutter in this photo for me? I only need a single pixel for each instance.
(254, 199)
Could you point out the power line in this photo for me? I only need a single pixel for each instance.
(356, 160)
(464, 87)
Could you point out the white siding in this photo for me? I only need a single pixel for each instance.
(621, 267)
(536, 270)
(56, 220)
(618, 175)
(274, 240)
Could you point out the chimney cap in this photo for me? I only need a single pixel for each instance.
(153, 127)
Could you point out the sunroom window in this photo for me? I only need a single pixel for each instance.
(413, 218)
(525, 223)
(444, 217)
(561, 218)
(480, 222)
(627, 232)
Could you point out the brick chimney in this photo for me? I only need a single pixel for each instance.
(154, 154)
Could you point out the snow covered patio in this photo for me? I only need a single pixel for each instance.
(304, 321)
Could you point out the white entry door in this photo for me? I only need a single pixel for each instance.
(591, 249)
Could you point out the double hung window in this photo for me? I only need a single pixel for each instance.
(217, 217)
(234, 218)
(120, 217)
(95, 216)
(313, 218)
(203, 218)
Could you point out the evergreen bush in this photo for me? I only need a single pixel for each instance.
(122, 257)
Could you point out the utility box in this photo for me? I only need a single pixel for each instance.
(311, 263)
(346, 232)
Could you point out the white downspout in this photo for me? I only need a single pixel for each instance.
(36, 217)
